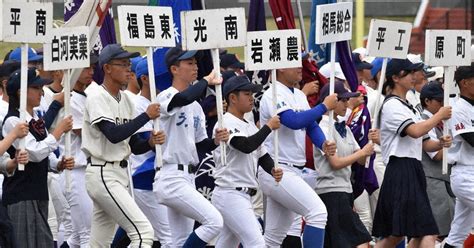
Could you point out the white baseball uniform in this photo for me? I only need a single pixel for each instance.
(174, 184)
(461, 155)
(145, 199)
(106, 180)
(292, 195)
(232, 180)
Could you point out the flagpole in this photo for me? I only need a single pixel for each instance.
(302, 27)
(331, 87)
(23, 93)
(448, 81)
(67, 135)
(276, 155)
(375, 110)
(220, 108)
(156, 121)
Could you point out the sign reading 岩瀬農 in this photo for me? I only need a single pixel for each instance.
(334, 22)
(389, 39)
(448, 47)
(67, 48)
(213, 28)
(276, 49)
(27, 22)
(147, 26)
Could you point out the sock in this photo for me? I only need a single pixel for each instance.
(156, 244)
(446, 245)
(313, 237)
(401, 244)
(469, 242)
(194, 241)
(55, 243)
(64, 245)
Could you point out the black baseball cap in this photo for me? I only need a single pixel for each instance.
(240, 83)
(359, 64)
(231, 60)
(33, 78)
(432, 90)
(339, 89)
(464, 72)
(114, 51)
(176, 54)
(395, 66)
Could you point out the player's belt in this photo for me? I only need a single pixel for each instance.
(123, 163)
(191, 169)
(293, 165)
(249, 191)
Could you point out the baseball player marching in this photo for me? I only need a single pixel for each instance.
(293, 195)
(460, 156)
(182, 116)
(107, 140)
(236, 181)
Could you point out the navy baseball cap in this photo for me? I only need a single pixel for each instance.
(114, 51)
(14, 83)
(175, 54)
(359, 64)
(15, 55)
(395, 66)
(231, 60)
(240, 83)
(432, 90)
(339, 89)
(141, 68)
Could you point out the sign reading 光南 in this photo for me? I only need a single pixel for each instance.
(67, 48)
(448, 47)
(148, 26)
(334, 22)
(213, 28)
(29, 22)
(388, 39)
(276, 49)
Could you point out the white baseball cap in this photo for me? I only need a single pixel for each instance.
(325, 70)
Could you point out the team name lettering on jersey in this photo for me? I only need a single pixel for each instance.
(459, 126)
(119, 121)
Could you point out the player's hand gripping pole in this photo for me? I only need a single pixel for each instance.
(67, 112)
(448, 81)
(220, 107)
(276, 155)
(23, 92)
(375, 111)
(156, 122)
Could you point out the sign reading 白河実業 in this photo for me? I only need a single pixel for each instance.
(27, 22)
(67, 48)
(276, 49)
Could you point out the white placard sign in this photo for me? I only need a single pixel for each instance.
(213, 28)
(334, 22)
(448, 47)
(148, 26)
(276, 49)
(67, 48)
(27, 22)
(389, 39)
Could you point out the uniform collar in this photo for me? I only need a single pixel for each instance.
(471, 101)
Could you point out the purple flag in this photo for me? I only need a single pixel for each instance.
(106, 33)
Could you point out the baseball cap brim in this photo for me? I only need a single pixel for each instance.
(126, 55)
(364, 66)
(348, 95)
(239, 65)
(187, 55)
(36, 58)
(429, 74)
(254, 88)
(40, 82)
(415, 67)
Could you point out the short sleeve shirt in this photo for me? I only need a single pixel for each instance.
(396, 116)
(291, 142)
(101, 106)
(186, 125)
(462, 121)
